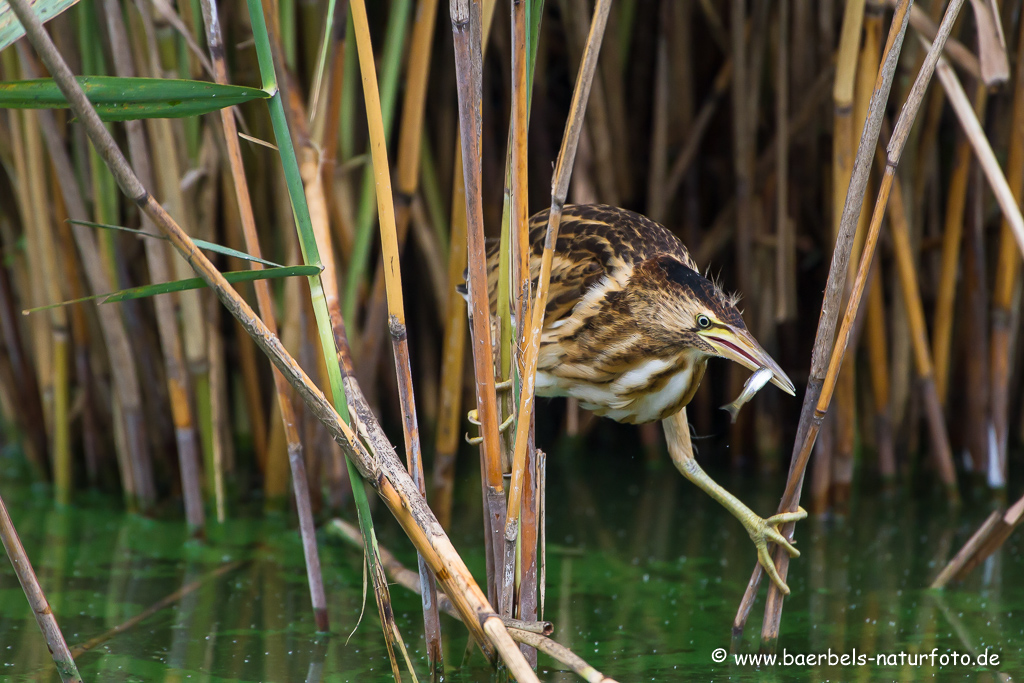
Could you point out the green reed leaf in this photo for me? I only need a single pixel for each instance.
(124, 99)
(202, 244)
(234, 277)
(10, 27)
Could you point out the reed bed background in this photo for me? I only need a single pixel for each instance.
(738, 126)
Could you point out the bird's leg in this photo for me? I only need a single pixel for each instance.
(761, 530)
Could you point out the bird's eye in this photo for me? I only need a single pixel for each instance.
(703, 321)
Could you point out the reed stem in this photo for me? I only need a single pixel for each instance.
(1007, 279)
(559, 190)
(66, 667)
(396, 306)
(466, 29)
(836, 280)
(773, 606)
(384, 471)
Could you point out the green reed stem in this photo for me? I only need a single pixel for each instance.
(311, 255)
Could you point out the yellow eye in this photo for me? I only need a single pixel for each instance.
(703, 321)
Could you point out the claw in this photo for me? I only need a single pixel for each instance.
(474, 440)
(763, 531)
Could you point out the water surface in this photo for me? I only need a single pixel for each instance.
(644, 575)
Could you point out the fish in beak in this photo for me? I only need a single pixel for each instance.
(740, 346)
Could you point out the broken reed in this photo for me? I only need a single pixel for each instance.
(740, 183)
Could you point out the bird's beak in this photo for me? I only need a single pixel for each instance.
(740, 346)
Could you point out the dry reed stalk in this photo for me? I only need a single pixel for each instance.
(265, 306)
(605, 143)
(218, 403)
(132, 445)
(1007, 276)
(80, 337)
(658, 165)
(874, 324)
(178, 381)
(453, 346)
(836, 280)
(773, 606)
(910, 289)
(1005, 197)
(986, 540)
(62, 464)
(515, 273)
(52, 381)
(559, 190)
(466, 28)
(58, 647)
(821, 473)
(742, 146)
(356, 287)
(562, 654)
(34, 281)
(945, 298)
(527, 572)
(384, 471)
(211, 399)
(396, 306)
(193, 344)
(519, 214)
(168, 138)
(408, 579)
(802, 42)
(976, 392)
(840, 457)
(958, 52)
(995, 65)
(231, 215)
(330, 127)
(610, 95)
(982, 150)
(407, 175)
(785, 229)
(745, 53)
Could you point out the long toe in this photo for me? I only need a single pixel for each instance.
(787, 517)
(769, 566)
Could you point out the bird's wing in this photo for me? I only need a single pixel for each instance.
(594, 241)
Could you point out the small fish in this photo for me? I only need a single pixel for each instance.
(750, 387)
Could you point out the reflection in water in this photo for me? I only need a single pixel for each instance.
(644, 577)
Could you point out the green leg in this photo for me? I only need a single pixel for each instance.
(761, 531)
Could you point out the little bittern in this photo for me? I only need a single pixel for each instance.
(629, 328)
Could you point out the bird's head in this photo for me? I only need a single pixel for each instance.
(694, 310)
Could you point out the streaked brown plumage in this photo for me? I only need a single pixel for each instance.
(622, 327)
(629, 327)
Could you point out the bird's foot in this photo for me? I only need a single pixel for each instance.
(762, 531)
(474, 418)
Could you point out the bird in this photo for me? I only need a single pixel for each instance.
(628, 330)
